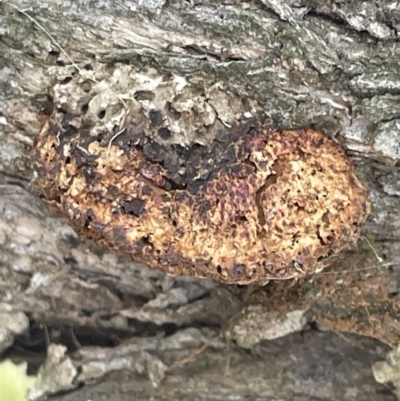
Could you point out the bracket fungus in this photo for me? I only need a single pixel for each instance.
(283, 203)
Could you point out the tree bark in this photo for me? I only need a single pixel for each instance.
(332, 66)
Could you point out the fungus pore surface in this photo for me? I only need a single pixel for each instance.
(281, 204)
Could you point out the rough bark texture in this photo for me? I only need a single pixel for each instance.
(208, 67)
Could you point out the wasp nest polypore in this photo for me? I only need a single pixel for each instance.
(284, 202)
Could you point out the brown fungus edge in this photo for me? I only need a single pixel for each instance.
(280, 206)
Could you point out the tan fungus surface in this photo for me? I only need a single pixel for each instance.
(290, 200)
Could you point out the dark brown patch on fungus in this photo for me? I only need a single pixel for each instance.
(280, 206)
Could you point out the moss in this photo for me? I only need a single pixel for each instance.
(14, 383)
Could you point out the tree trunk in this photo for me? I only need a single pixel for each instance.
(209, 67)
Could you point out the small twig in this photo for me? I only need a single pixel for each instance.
(355, 270)
(122, 124)
(195, 353)
(47, 33)
(373, 249)
(112, 139)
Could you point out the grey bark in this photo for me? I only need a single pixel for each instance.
(330, 65)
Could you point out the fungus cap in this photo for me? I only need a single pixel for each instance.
(278, 209)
